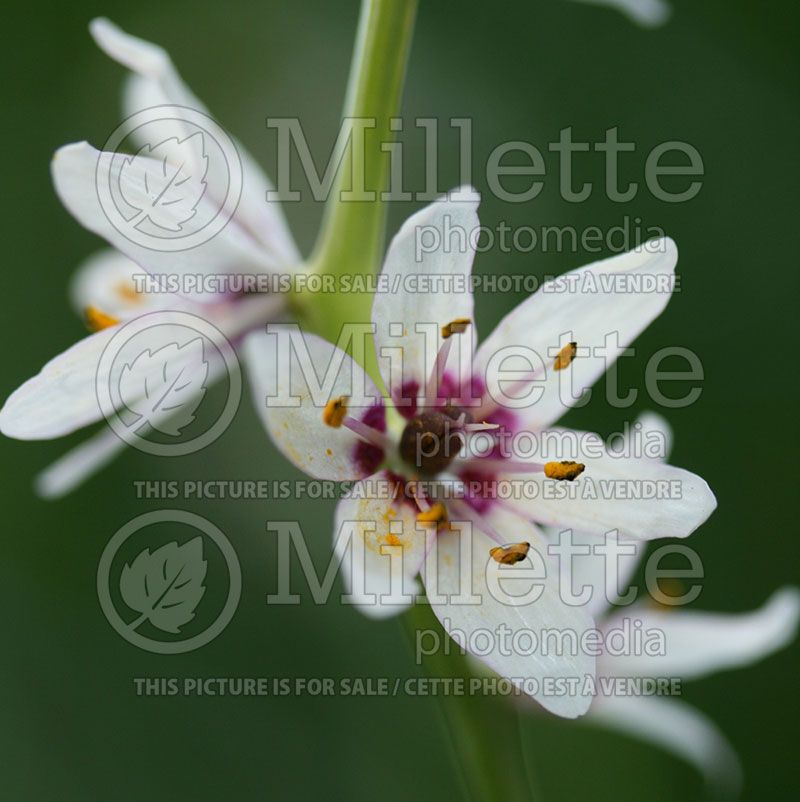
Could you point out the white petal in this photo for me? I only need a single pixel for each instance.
(385, 537)
(699, 643)
(607, 576)
(647, 13)
(61, 397)
(592, 570)
(584, 306)
(106, 281)
(156, 82)
(482, 625)
(675, 727)
(654, 425)
(405, 301)
(299, 431)
(641, 498)
(76, 170)
(77, 465)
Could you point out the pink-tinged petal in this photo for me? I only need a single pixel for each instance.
(493, 615)
(78, 167)
(385, 540)
(300, 432)
(156, 82)
(435, 244)
(107, 281)
(585, 306)
(76, 466)
(677, 728)
(700, 643)
(641, 498)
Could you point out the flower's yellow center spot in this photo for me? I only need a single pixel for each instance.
(565, 356)
(335, 411)
(436, 514)
(97, 320)
(457, 326)
(510, 553)
(564, 470)
(393, 540)
(127, 292)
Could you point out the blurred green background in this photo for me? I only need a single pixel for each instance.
(720, 75)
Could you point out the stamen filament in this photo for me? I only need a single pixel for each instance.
(465, 511)
(480, 427)
(367, 433)
(457, 326)
(489, 404)
(419, 496)
(337, 413)
(495, 465)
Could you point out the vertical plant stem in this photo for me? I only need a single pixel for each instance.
(483, 730)
(352, 235)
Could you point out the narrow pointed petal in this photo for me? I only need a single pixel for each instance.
(677, 728)
(493, 615)
(385, 536)
(641, 498)
(156, 82)
(608, 297)
(300, 432)
(647, 13)
(700, 643)
(433, 244)
(76, 466)
(61, 397)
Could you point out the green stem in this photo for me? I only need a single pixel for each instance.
(352, 235)
(483, 730)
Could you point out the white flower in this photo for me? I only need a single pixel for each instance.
(696, 644)
(430, 387)
(61, 398)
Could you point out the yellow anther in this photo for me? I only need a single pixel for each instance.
(436, 514)
(510, 553)
(96, 320)
(564, 470)
(565, 356)
(457, 326)
(127, 291)
(335, 411)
